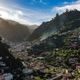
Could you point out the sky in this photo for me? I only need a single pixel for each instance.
(32, 12)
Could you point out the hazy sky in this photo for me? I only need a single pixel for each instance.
(35, 11)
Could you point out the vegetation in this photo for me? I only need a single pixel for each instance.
(69, 20)
(63, 46)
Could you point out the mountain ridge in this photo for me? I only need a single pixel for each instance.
(60, 23)
(13, 31)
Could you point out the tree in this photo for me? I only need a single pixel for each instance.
(57, 21)
(67, 10)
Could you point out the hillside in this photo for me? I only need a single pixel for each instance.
(60, 49)
(51, 57)
(13, 31)
(64, 34)
(68, 20)
(9, 66)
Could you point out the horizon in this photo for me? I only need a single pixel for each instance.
(34, 12)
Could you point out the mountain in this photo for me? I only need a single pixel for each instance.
(64, 40)
(68, 20)
(13, 31)
(61, 32)
(32, 27)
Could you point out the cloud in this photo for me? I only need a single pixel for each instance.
(12, 11)
(72, 6)
(22, 15)
(65, 2)
(40, 1)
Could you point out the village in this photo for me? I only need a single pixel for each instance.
(59, 64)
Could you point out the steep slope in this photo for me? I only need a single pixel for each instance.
(67, 21)
(13, 31)
(8, 64)
(64, 40)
